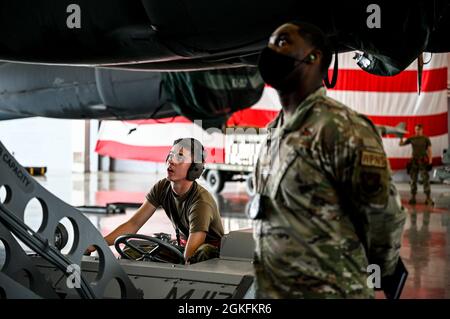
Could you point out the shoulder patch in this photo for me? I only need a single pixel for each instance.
(373, 159)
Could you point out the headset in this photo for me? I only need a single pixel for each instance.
(196, 169)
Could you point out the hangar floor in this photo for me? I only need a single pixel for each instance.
(426, 241)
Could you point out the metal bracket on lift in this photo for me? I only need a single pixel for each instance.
(11, 289)
(18, 265)
(21, 188)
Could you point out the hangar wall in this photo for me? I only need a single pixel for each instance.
(133, 166)
(56, 144)
(39, 142)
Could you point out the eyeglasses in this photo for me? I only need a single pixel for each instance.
(179, 158)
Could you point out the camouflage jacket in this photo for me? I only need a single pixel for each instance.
(330, 207)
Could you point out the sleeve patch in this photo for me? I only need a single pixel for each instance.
(372, 159)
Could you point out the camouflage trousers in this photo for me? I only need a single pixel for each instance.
(204, 252)
(270, 286)
(415, 170)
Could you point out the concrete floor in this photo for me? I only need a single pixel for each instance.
(426, 240)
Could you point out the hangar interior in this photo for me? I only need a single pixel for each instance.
(83, 138)
(78, 175)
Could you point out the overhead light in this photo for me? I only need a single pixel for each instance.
(98, 107)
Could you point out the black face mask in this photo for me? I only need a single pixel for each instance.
(275, 69)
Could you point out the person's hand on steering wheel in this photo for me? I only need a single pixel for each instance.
(153, 254)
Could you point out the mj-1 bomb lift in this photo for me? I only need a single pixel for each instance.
(48, 273)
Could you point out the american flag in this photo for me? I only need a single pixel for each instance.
(385, 100)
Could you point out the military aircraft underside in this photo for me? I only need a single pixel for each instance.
(187, 35)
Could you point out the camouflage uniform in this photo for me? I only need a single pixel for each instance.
(419, 163)
(204, 252)
(330, 207)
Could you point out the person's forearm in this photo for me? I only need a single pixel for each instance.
(430, 155)
(134, 223)
(126, 228)
(194, 241)
(191, 247)
(189, 251)
(131, 226)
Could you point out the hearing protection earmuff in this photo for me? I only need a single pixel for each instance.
(196, 169)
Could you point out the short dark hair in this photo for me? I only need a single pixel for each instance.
(196, 148)
(317, 38)
(419, 126)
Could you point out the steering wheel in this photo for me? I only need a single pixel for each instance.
(152, 254)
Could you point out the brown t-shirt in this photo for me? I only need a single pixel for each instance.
(197, 209)
(420, 145)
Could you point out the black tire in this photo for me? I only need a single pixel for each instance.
(215, 180)
(61, 236)
(250, 186)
